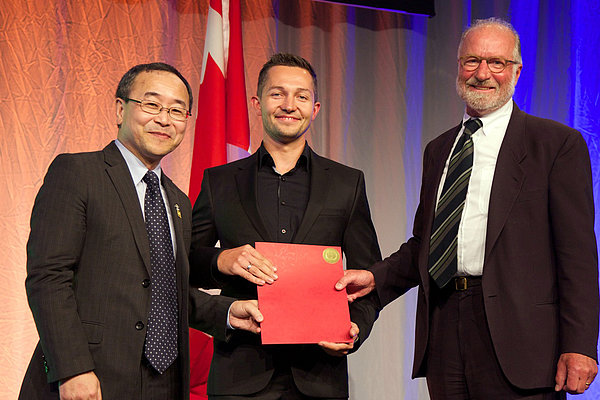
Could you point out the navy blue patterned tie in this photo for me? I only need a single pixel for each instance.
(161, 336)
(444, 236)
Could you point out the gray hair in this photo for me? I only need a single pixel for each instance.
(493, 21)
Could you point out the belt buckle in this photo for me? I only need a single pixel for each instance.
(460, 283)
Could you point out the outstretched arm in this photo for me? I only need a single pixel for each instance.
(357, 282)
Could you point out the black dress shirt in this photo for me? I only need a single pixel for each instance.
(282, 199)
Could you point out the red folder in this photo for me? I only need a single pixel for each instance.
(302, 305)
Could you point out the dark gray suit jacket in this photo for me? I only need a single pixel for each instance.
(337, 214)
(540, 271)
(88, 269)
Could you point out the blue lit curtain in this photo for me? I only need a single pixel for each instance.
(560, 44)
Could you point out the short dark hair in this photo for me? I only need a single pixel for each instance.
(286, 60)
(124, 87)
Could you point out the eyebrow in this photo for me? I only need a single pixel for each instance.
(181, 102)
(284, 89)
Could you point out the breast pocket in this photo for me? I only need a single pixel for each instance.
(329, 227)
(333, 212)
(531, 195)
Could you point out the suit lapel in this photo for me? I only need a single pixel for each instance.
(175, 209)
(180, 258)
(247, 180)
(508, 178)
(120, 176)
(319, 186)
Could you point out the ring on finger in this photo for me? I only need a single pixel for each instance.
(248, 267)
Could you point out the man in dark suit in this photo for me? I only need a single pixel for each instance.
(284, 193)
(505, 261)
(107, 266)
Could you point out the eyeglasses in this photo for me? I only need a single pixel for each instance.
(495, 64)
(154, 108)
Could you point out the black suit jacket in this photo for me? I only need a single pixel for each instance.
(337, 214)
(540, 271)
(88, 264)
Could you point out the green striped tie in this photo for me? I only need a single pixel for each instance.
(444, 237)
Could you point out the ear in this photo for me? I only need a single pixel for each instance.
(256, 105)
(518, 73)
(316, 109)
(119, 110)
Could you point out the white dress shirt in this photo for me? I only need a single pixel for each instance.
(137, 169)
(473, 223)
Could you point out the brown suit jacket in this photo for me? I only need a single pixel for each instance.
(88, 269)
(540, 272)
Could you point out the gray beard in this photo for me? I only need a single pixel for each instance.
(483, 102)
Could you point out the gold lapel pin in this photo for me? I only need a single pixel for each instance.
(178, 210)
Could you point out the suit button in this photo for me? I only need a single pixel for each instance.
(139, 325)
(45, 363)
(146, 283)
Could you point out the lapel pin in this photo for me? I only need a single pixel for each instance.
(178, 210)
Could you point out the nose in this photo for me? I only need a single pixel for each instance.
(289, 103)
(483, 71)
(163, 117)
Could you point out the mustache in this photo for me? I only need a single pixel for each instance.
(473, 81)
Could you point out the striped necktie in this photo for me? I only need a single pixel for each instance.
(444, 237)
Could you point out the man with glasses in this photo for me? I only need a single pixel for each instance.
(107, 259)
(503, 251)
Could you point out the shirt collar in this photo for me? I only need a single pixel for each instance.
(494, 119)
(264, 158)
(137, 169)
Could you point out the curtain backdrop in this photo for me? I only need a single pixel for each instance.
(386, 82)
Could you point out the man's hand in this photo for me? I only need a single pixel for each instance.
(85, 386)
(245, 315)
(341, 349)
(575, 373)
(358, 283)
(248, 263)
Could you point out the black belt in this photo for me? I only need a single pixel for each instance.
(465, 282)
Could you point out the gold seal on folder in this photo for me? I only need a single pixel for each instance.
(331, 255)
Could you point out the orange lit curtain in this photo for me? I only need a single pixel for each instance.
(386, 82)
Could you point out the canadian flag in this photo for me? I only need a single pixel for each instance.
(222, 130)
(222, 133)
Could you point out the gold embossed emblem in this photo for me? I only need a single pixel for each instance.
(331, 255)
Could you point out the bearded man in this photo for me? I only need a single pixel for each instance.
(503, 247)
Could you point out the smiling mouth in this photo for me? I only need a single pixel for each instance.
(160, 134)
(480, 85)
(482, 88)
(287, 118)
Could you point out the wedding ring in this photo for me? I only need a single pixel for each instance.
(248, 267)
(587, 384)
